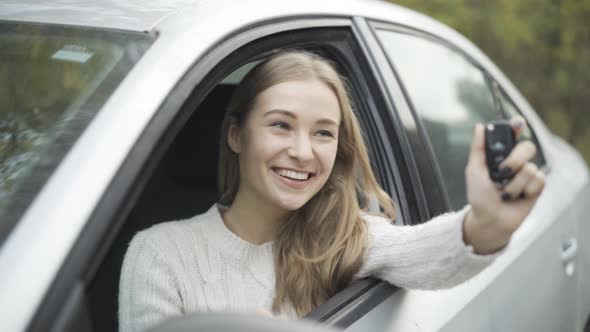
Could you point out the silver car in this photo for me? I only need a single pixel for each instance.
(109, 120)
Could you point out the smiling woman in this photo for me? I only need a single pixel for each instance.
(316, 134)
(288, 231)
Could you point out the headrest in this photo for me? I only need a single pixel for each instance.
(192, 158)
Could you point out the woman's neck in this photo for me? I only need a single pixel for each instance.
(252, 221)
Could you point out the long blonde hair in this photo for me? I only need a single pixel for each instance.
(321, 246)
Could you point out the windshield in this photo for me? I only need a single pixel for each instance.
(53, 80)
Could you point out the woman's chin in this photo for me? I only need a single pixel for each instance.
(292, 204)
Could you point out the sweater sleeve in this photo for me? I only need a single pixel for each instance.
(427, 256)
(148, 289)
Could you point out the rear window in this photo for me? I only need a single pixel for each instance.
(53, 80)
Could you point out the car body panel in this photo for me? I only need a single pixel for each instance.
(457, 309)
(574, 179)
(50, 227)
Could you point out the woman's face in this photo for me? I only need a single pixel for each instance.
(288, 144)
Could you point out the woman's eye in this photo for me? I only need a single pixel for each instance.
(325, 133)
(280, 124)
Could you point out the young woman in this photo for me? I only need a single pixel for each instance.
(289, 232)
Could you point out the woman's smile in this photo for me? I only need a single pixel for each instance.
(291, 178)
(293, 174)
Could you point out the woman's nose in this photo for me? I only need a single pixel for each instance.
(301, 148)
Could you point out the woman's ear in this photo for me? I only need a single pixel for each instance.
(233, 137)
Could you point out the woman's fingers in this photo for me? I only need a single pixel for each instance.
(518, 125)
(477, 152)
(520, 155)
(529, 181)
(520, 181)
(535, 185)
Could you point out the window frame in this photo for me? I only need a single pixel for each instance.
(439, 202)
(435, 190)
(443, 203)
(398, 115)
(64, 306)
(504, 95)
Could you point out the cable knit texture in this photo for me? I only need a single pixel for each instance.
(198, 265)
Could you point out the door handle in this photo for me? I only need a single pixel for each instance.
(569, 250)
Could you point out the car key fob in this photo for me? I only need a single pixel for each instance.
(499, 142)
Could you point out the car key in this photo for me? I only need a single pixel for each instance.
(499, 142)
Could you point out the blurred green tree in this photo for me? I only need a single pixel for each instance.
(543, 46)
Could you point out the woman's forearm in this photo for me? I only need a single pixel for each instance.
(484, 236)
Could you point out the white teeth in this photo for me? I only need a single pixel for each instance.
(293, 174)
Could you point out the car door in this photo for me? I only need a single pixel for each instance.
(528, 287)
(553, 254)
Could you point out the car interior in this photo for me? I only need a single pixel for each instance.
(183, 185)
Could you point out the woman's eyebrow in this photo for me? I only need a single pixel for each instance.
(327, 121)
(279, 111)
(322, 121)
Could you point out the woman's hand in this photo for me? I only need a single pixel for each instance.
(496, 213)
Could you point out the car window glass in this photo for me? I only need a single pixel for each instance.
(52, 82)
(449, 95)
(237, 75)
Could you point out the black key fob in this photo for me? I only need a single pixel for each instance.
(500, 141)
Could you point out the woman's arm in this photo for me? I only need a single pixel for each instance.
(148, 289)
(426, 256)
(453, 247)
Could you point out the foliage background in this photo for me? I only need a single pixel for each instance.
(543, 46)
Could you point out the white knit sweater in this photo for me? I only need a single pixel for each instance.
(180, 267)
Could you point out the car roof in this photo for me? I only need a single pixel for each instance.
(144, 15)
(137, 15)
(188, 20)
